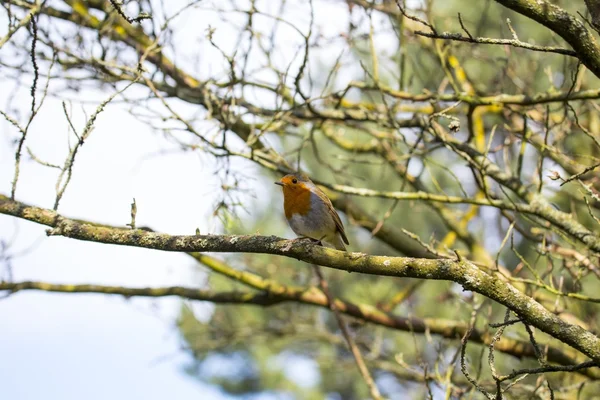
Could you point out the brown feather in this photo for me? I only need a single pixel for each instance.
(334, 214)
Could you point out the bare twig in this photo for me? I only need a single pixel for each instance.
(510, 42)
(117, 4)
(63, 182)
(360, 363)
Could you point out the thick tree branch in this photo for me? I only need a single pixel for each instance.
(446, 328)
(461, 271)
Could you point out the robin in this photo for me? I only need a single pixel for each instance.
(310, 213)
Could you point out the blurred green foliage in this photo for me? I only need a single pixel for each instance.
(265, 343)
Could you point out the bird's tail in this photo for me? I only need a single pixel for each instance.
(338, 242)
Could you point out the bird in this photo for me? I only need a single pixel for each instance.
(309, 211)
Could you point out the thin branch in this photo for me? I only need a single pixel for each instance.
(580, 174)
(118, 8)
(360, 363)
(236, 297)
(415, 18)
(23, 22)
(570, 28)
(510, 42)
(36, 75)
(548, 368)
(62, 181)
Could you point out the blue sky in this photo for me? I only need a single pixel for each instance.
(62, 346)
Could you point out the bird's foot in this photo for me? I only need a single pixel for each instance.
(310, 240)
(300, 240)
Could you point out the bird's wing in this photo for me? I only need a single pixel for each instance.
(336, 216)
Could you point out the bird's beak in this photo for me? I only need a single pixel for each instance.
(278, 183)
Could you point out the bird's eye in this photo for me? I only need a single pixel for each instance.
(294, 181)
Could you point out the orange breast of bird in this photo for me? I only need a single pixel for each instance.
(296, 201)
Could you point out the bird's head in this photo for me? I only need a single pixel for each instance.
(294, 183)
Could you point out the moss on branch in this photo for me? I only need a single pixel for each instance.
(462, 272)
